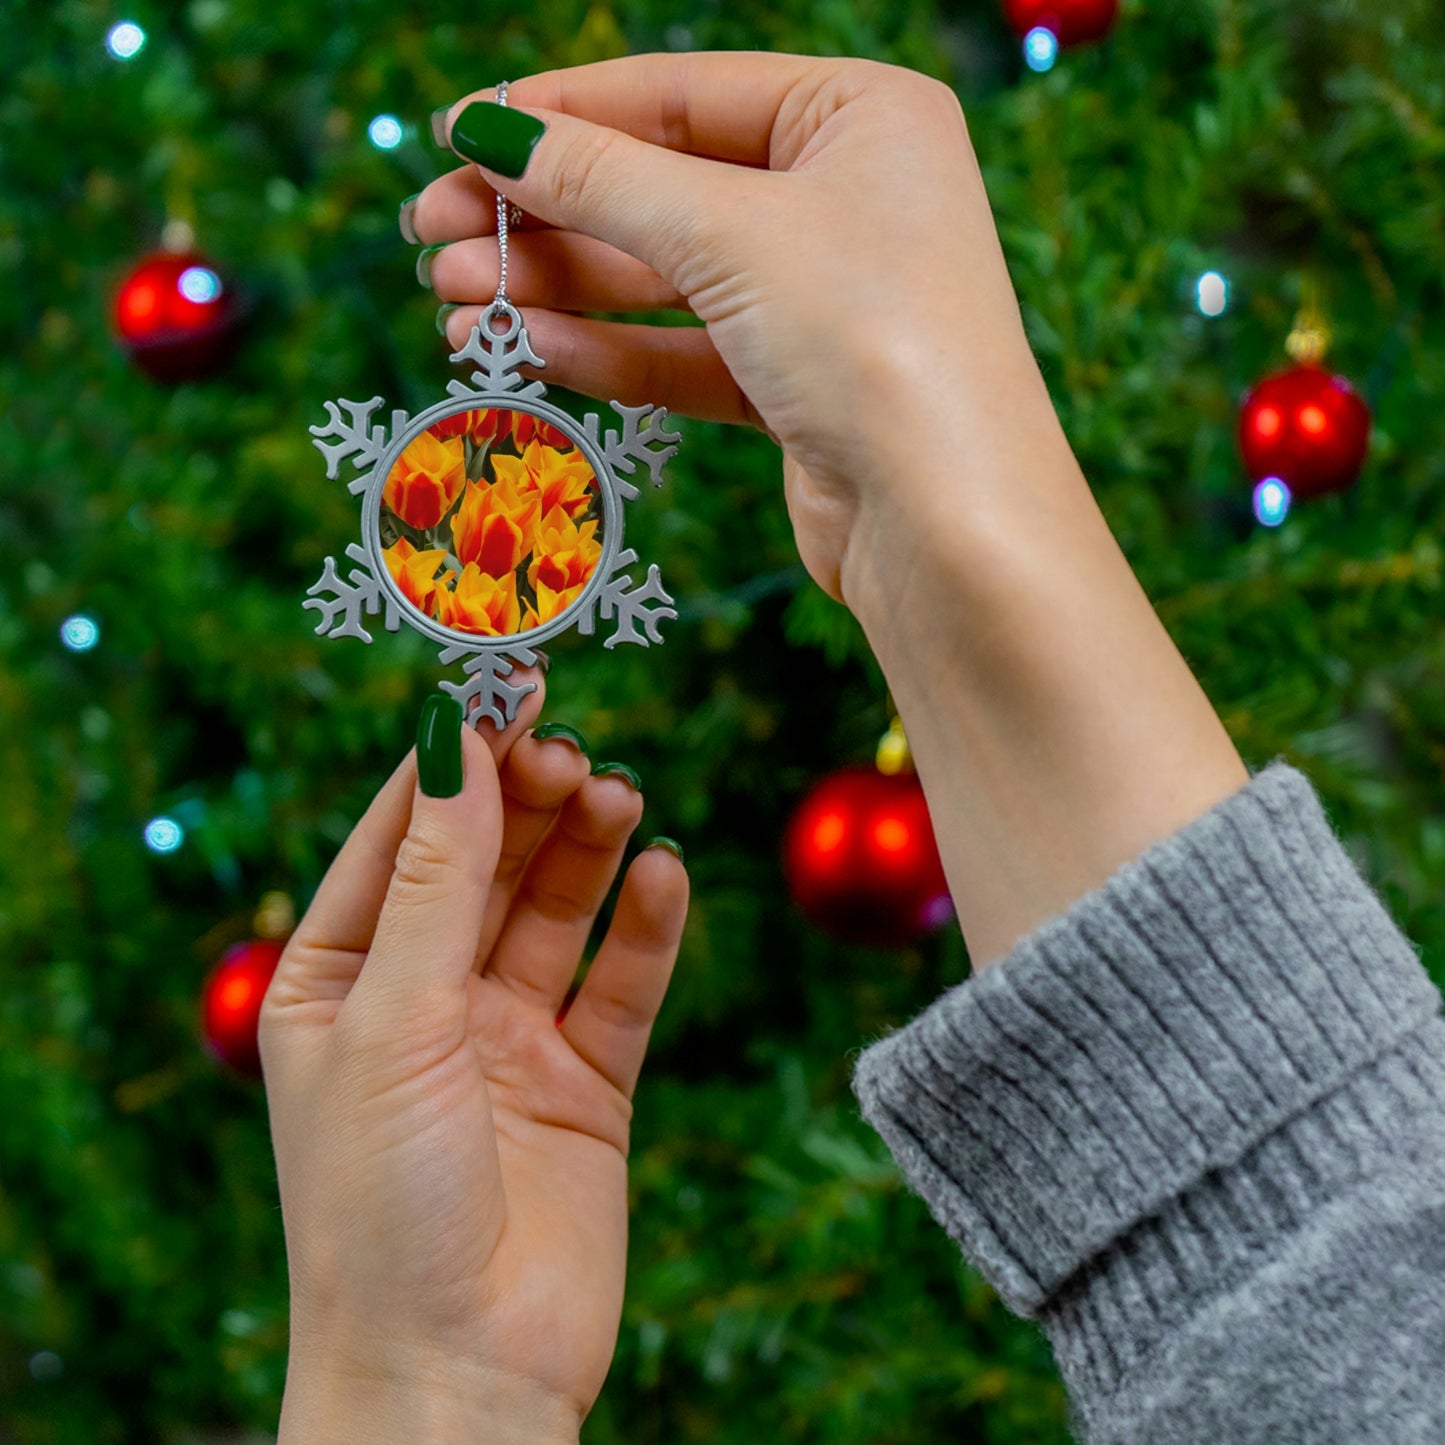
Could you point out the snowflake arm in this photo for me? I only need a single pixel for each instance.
(643, 438)
(358, 439)
(341, 613)
(486, 685)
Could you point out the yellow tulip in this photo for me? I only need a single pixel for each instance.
(414, 572)
(485, 605)
(424, 481)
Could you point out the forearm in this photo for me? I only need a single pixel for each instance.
(1057, 730)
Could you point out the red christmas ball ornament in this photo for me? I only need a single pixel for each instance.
(1306, 426)
(1071, 22)
(861, 861)
(176, 317)
(231, 1003)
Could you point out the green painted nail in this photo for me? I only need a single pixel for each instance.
(617, 770)
(423, 262)
(405, 220)
(439, 126)
(439, 747)
(443, 311)
(561, 730)
(496, 136)
(671, 844)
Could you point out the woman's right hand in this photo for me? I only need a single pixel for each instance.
(827, 220)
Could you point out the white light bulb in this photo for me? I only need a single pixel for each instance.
(164, 835)
(385, 132)
(1041, 48)
(126, 40)
(1211, 294)
(80, 633)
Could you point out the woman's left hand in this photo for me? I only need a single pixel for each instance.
(452, 1155)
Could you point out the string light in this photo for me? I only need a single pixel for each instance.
(1041, 48)
(199, 284)
(164, 835)
(1211, 293)
(1271, 502)
(80, 633)
(385, 132)
(126, 40)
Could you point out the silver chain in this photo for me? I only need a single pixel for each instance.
(501, 299)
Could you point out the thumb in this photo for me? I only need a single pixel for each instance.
(426, 934)
(661, 206)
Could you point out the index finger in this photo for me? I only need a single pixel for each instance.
(723, 105)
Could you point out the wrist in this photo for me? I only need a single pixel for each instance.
(406, 1395)
(949, 484)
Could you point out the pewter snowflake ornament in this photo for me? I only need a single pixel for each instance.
(493, 521)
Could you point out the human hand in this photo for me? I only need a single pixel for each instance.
(827, 220)
(452, 1158)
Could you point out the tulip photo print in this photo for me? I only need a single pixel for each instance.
(491, 522)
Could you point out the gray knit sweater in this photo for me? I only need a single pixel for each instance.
(1196, 1127)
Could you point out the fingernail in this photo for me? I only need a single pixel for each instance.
(496, 136)
(561, 730)
(439, 126)
(671, 844)
(439, 747)
(617, 770)
(405, 220)
(443, 311)
(543, 661)
(423, 263)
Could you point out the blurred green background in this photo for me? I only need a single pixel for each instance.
(783, 1285)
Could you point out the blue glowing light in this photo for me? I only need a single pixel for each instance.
(80, 633)
(164, 835)
(126, 40)
(1211, 294)
(1041, 48)
(199, 284)
(385, 132)
(1271, 502)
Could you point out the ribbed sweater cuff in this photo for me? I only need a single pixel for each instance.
(1223, 983)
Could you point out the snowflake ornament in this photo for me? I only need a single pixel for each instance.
(493, 521)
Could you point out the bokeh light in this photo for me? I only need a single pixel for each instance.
(1211, 293)
(164, 835)
(199, 284)
(1271, 502)
(1041, 48)
(126, 40)
(385, 132)
(80, 633)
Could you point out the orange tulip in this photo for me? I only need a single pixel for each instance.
(557, 480)
(414, 572)
(482, 426)
(567, 555)
(493, 527)
(480, 604)
(425, 480)
(528, 427)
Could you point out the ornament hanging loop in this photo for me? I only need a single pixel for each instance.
(1309, 339)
